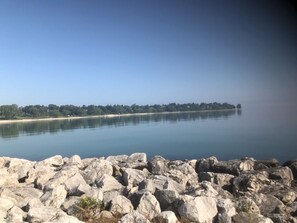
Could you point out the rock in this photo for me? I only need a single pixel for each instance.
(7, 179)
(76, 185)
(40, 176)
(205, 165)
(226, 209)
(15, 215)
(119, 160)
(251, 182)
(246, 204)
(149, 206)
(21, 167)
(95, 193)
(137, 161)
(42, 214)
(166, 198)
(76, 161)
(55, 197)
(157, 165)
(163, 182)
(148, 185)
(120, 206)
(282, 174)
(293, 168)
(4, 161)
(244, 217)
(133, 177)
(64, 218)
(134, 217)
(69, 205)
(267, 203)
(60, 177)
(33, 203)
(5, 204)
(200, 209)
(165, 217)
(20, 195)
(182, 173)
(108, 196)
(108, 183)
(96, 169)
(55, 161)
(106, 216)
(266, 163)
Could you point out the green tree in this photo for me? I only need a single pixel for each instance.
(9, 111)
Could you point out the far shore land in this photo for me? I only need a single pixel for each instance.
(10, 121)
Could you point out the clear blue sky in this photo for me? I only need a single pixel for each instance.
(147, 52)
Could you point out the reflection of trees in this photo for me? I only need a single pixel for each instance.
(16, 129)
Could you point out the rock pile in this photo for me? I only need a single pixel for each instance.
(135, 190)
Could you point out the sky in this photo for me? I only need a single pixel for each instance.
(147, 52)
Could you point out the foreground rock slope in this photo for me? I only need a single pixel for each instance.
(132, 189)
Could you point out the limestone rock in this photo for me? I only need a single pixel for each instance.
(108, 183)
(133, 176)
(120, 206)
(54, 197)
(149, 206)
(15, 215)
(134, 217)
(165, 217)
(157, 165)
(96, 169)
(166, 198)
(64, 218)
(55, 161)
(244, 217)
(200, 209)
(226, 209)
(42, 214)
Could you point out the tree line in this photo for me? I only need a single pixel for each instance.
(41, 111)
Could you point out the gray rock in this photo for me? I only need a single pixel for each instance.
(108, 183)
(133, 177)
(200, 209)
(76, 185)
(205, 165)
(20, 195)
(69, 205)
(293, 168)
(226, 209)
(120, 206)
(106, 216)
(148, 185)
(40, 175)
(21, 167)
(96, 193)
(108, 196)
(165, 217)
(166, 198)
(64, 218)
(149, 206)
(96, 169)
(55, 161)
(251, 182)
(76, 161)
(157, 165)
(282, 174)
(15, 215)
(137, 161)
(119, 160)
(134, 217)
(246, 204)
(60, 177)
(55, 197)
(42, 214)
(244, 217)
(33, 203)
(267, 203)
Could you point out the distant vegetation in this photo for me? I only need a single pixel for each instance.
(41, 111)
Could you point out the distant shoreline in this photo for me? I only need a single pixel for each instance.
(11, 121)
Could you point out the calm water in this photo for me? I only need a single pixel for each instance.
(259, 133)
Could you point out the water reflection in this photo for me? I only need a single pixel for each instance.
(33, 128)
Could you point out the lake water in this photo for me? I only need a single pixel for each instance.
(259, 133)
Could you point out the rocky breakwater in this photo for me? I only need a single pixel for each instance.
(131, 189)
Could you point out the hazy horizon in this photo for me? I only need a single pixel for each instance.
(148, 52)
